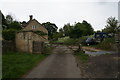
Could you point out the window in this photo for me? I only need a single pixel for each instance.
(34, 27)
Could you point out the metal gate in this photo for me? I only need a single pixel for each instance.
(38, 47)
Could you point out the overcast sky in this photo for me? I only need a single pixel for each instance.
(62, 12)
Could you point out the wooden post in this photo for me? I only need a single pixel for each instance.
(117, 40)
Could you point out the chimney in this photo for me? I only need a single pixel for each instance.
(31, 17)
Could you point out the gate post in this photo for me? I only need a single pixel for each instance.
(117, 41)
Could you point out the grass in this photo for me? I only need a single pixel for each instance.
(67, 41)
(17, 64)
(64, 39)
(83, 57)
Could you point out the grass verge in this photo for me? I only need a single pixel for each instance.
(83, 57)
(14, 65)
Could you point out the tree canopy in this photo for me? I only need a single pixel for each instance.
(9, 27)
(51, 27)
(9, 23)
(14, 25)
(9, 19)
(78, 29)
(112, 25)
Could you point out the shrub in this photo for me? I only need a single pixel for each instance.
(106, 44)
(9, 34)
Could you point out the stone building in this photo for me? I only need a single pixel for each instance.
(31, 37)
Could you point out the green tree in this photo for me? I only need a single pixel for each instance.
(51, 27)
(78, 29)
(14, 25)
(9, 19)
(9, 23)
(61, 32)
(10, 27)
(57, 35)
(67, 29)
(89, 30)
(4, 23)
(112, 24)
(117, 29)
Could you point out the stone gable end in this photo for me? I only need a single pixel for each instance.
(39, 27)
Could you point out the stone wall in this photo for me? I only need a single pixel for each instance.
(8, 46)
(25, 41)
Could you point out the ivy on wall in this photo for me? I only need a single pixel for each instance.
(37, 32)
(40, 33)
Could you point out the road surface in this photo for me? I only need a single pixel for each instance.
(61, 64)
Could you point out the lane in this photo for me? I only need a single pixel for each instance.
(61, 64)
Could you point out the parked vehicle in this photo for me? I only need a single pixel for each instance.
(100, 36)
(90, 41)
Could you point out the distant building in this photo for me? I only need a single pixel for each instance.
(31, 37)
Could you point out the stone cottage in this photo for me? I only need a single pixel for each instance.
(31, 37)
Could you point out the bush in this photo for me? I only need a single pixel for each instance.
(9, 34)
(105, 44)
(14, 25)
